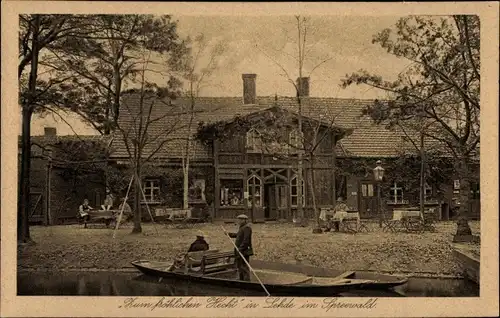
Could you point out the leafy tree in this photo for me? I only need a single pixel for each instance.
(441, 85)
(102, 65)
(38, 34)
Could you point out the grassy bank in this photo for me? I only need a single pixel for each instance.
(72, 247)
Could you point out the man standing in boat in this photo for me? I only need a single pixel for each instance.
(244, 244)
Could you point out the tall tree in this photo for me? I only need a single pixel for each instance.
(196, 69)
(301, 56)
(441, 84)
(38, 33)
(149, 124)
(102, 65)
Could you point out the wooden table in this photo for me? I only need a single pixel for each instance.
(399, 214)
(411, 221)
(102, 216)
(345, 218)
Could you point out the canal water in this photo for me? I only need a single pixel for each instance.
(134, 284)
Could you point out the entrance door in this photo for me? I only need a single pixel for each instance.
(36, 208)
(368, 199)
(275, 201)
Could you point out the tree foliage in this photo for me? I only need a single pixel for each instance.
(440, 86)
(101, 66)
(441, 83)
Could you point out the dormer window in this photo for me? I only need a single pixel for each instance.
(295, 140)
(254, 140)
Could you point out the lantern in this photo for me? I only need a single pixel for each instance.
(378, 172)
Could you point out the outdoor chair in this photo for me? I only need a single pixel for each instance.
(413, 224)
(363, 227)
(389, 224)
(349, 226)
(429, 220)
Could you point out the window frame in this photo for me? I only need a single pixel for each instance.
(394, 194)
(428, 196)
(149, 186)
(294, 184)
(259, 198)
(253, 140)
(295, 140)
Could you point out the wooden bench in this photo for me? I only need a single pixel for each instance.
(216, 262)
(193, 260)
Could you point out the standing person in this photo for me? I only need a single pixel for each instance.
(83, 211)
(244, 244)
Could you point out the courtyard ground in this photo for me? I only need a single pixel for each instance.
(73, 247)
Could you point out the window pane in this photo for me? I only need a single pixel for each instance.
(363, 190)
(370, 190)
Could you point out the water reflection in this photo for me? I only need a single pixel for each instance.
(132, 284)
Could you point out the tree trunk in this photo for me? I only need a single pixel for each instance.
(422, 174)
(137, 199)
(23, 230)
(185, 166)
(117, 93)
(299, 218)
(185, 196)
(312, 183)
(107, 127)
(464, 232)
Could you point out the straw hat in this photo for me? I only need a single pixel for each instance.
(242, 216)
(200, 234)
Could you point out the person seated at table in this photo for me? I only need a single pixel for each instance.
(108, 202)
(235, 200)
(127, 210)
(83, 211)
(339, 207)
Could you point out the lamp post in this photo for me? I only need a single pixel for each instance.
(378, 174)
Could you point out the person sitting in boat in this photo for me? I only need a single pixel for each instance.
(199, 244)
(83, 211)
(244, 244)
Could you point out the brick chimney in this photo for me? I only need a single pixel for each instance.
(303, 86)
(50, 131)
(249, 88)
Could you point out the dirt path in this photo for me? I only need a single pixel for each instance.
(72, 247)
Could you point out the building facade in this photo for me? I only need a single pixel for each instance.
(247, 166)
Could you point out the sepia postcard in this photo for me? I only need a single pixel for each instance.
(217, 159)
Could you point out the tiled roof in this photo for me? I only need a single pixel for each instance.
(366, 140)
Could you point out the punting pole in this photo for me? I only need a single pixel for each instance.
(241, 255)
(123, 206)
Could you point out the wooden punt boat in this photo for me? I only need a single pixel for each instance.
(279, 279)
